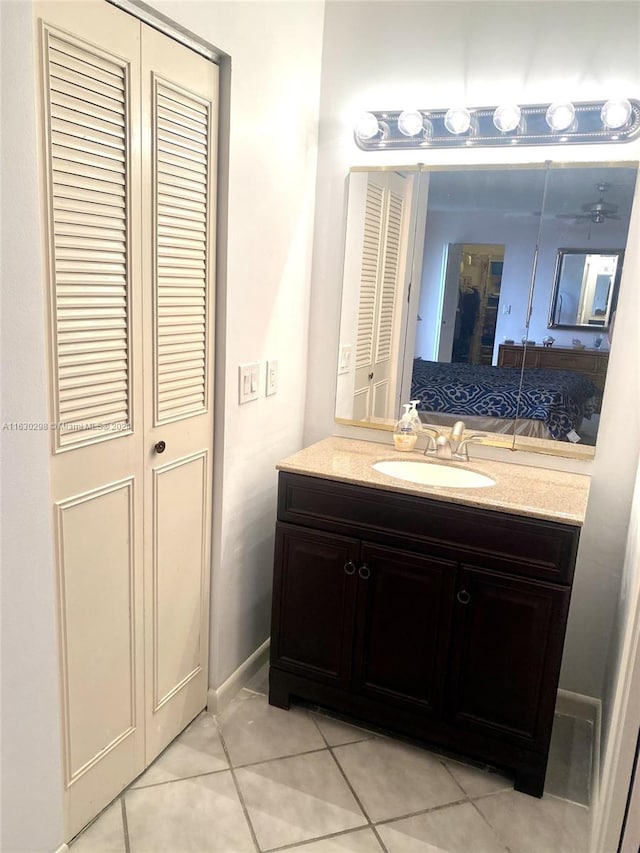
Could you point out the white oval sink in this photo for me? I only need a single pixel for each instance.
(430, 474)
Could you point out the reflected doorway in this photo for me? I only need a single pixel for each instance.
(476, 272)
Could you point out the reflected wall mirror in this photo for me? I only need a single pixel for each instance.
(450, 297)
(585, 289)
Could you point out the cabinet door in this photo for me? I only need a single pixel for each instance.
(314, 593)
(404, 615)
(507, 644)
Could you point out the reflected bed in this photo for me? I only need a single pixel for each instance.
(551, 403)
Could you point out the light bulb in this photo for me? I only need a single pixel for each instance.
(616, 113)
(560, 116)
(507, 117)
(367, 126)
(457, 120)
(410, 122)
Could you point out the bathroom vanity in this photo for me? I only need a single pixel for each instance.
(438, 613)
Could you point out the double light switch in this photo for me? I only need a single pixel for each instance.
(249, 380)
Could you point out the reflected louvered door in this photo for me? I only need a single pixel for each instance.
(180, 110)
(91, 176)
(381, 285)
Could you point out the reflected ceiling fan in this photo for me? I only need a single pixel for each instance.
(595, 212)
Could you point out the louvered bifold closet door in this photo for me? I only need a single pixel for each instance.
(369, 275)
(90, 141)
(179, 104)
(89, 163)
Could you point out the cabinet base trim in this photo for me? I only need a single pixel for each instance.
(219, 697)
(527, 766)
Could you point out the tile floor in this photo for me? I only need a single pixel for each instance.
(261, 779)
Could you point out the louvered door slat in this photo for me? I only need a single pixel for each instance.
(87, 96)
(389, 282)
(92, 83)
(182, 144)
(369, 275)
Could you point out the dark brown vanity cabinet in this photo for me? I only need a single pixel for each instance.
(438, 620)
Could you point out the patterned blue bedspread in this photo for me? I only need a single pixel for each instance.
(560, 398)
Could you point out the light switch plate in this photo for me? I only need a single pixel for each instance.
(249, 382)
(345, 358)
(272, 377)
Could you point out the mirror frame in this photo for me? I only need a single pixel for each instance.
(555, 290)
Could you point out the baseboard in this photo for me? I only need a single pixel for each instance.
(585, 708)
(64, 848)
(218, 698)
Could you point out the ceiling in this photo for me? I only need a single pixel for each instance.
(523, 191)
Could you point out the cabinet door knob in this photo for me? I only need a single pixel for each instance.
(463, 596)
(160, 446)
(349, 568)
(365, 572)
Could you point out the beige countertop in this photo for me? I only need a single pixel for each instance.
(519, 489)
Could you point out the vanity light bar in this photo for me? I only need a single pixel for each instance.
(581, 122)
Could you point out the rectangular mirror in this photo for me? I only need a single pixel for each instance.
(438, 302)
(585, 288)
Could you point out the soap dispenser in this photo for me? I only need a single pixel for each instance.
(405, 434)
(415, 417)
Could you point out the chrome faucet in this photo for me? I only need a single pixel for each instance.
(452, 447)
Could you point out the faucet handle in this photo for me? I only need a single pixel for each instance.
(432, 436)
(461, 450)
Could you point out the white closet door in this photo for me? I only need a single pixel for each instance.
(179, 97)
(91, 145)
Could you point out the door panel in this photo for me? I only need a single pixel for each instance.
(90, 142)
(96, 556)
(314, 603)
(404, 615)
(505, 632)
(179, 568)
(179, 115)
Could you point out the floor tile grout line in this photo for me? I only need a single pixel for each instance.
(125, 824)
(495, 831)
(421, 812)
(307, 841)
(133, 787)
(243, 805)
(353, 792)
(352, 789)
(455, 781)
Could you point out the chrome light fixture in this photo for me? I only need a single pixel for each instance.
(561, 115)
(616, 113)
(410, 122)
(559, 123)
(507, 117)
(457, 120)
(367, 127)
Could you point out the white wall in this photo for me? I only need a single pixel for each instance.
(31, 818)
(519, 239)
(381, 55)
(275, 49)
